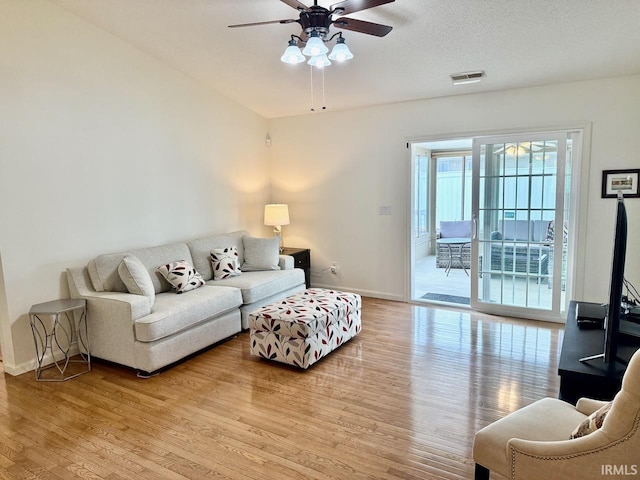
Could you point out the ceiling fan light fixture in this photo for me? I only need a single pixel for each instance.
(340, 51)
(315, 46)
(319, 61)
(292, 53)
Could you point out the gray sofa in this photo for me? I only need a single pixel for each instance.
(521, 247)
(150, 332)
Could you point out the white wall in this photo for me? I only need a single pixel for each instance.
(336, 169)
(103, 148)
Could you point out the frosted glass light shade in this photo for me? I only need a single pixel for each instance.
(315, 46)
(276, 214)
(319, 61)
(292, 54)
(340, 51)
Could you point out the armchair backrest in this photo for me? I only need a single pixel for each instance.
(625, 410)
(455, 229)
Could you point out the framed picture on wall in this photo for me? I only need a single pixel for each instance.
(625, 181)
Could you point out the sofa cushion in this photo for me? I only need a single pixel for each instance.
(225, 263)
(201, 249)
(455, 229)
(136, 278)
(539, 230)
(515, 230)
(256, 286)
(261, 254)
(182, 276)
(174, 313)
(103, 269)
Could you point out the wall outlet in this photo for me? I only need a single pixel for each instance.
(334, 268)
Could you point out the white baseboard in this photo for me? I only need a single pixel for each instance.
(30, 365)
(363, 293)
(16, 370)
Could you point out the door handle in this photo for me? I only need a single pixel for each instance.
(475, 228)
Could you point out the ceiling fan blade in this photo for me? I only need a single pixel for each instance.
(363, 27)
(350, 6)
(296, 4)
(288, 20)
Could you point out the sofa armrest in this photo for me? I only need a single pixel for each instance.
(286, 262)
(135, 306)
(111, 318)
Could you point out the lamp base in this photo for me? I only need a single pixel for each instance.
(277, 232)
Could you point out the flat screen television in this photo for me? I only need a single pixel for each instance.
(616, 285)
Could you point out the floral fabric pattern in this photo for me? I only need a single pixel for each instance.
(551, 232)
(225, 263)
(304, 327)
(181, 275)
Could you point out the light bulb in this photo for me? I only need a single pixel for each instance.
(315, 46)
(319, 61)
(292, 54)
(340, 51)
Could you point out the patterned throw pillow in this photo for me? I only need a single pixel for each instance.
(592, 423)
(225, 263)
(182, 276)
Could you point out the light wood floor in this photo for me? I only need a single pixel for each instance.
(402, 400)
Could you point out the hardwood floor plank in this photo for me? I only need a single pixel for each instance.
(402, 400)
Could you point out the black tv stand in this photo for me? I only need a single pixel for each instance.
(593, 378)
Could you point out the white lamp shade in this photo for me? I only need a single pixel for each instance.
(276, 214)
(319, 61)
(315, 46)
(292, 55)
(340, 52)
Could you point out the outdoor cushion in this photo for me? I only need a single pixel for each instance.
(455, 229)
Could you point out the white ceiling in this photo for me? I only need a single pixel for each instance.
(518, 43)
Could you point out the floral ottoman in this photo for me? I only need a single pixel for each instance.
(304, 327)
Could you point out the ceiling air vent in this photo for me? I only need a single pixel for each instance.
(467, 77)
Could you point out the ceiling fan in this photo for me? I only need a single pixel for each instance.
(317, 19)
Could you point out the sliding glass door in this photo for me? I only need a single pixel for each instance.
(520, 224)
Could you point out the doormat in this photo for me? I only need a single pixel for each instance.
(440, 297)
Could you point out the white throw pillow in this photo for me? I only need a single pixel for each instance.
(136, 278)
(261, 254)
(225, 263)
(182, 276)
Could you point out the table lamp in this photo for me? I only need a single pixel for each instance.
(276, 215)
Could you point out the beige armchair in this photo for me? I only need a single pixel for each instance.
(534, 442)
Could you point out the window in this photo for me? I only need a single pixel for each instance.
(453, 186)
(422, 195)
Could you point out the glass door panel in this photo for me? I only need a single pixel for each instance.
(518, 193)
